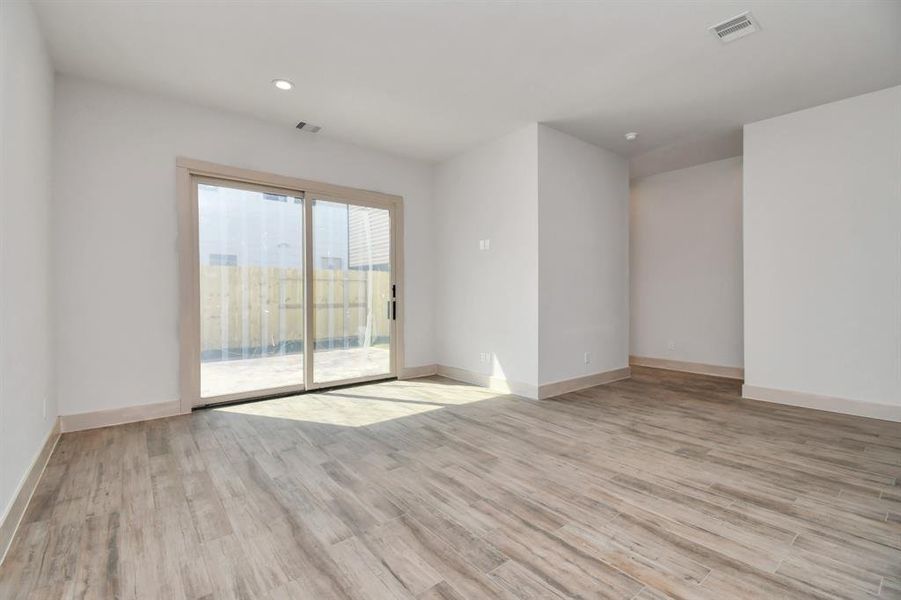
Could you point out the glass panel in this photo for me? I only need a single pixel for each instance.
(351, 291)
(251, 290)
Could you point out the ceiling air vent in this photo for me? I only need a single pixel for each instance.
(304, 126)
(736, 27)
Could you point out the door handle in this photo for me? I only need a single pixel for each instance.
(392, 304)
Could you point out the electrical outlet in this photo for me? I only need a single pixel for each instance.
(485, 357)
(671, 345)
(487, 244)
(587, 357)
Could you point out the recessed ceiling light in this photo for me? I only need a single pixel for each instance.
(282, 84)
(631, 136)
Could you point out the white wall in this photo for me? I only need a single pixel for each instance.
(686, 265)
(115, 228)
(487, 300)
(27, 404)
(822, 250)
(583, 227)
(554, 283)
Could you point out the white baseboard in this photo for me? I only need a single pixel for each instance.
(550, 390)
(688, 367)
(414, 372)
(16, 509)
(874, 410)
(119, 416)
(495, 384)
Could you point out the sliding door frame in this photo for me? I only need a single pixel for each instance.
(188, 173)
(309, 283)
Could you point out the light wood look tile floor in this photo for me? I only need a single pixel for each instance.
(662, 486)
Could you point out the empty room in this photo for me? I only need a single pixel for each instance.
(435, 300)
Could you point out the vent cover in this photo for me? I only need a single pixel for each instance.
(304, 126)
(736, 27)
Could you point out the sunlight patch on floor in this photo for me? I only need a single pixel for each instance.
(450, 394)
(366, 404)
(333, 410)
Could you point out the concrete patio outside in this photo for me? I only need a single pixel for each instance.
(230, 376)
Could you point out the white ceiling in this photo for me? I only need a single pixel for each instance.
(430, 79)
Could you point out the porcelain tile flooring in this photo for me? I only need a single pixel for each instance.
(661, 486)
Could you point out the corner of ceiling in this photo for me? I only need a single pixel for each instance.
(687, 152)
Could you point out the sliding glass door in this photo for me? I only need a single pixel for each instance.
(251, 270)
(295, 289)
(352, 291)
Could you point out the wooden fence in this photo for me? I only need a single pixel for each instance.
(246, 311)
